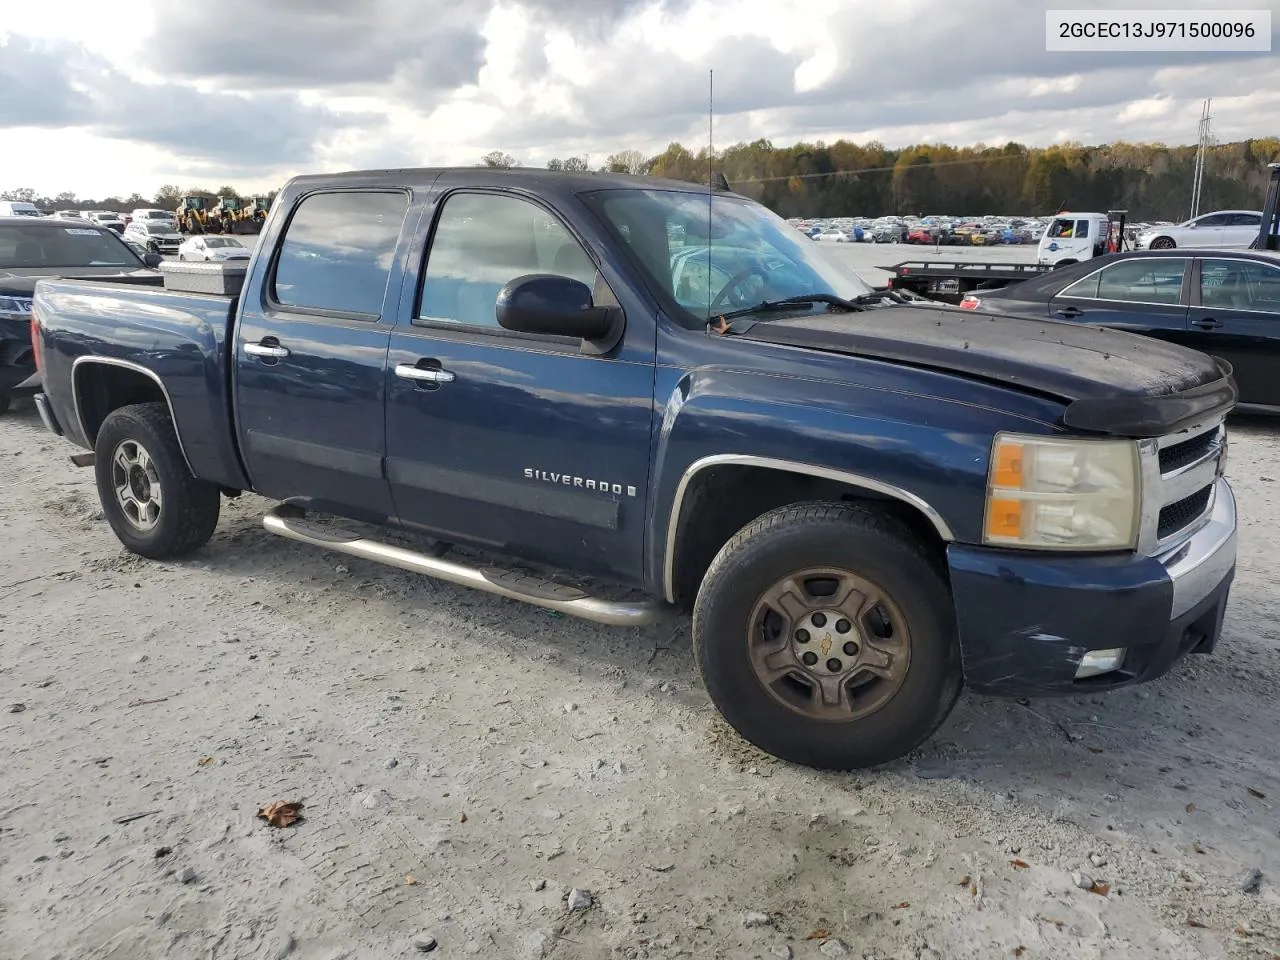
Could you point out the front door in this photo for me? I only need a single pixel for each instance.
(1144, 295)
(532, 445)
(311, 353)
(1235, 314)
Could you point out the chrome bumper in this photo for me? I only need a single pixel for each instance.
(1199, 564)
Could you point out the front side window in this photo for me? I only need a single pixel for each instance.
(707, 255)
(1082, 228)
(1240, 284)
(1157, 280)
(338, 251)
(482, 241)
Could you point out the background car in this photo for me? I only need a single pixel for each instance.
(833, 236)
(1232, 229)
(212, 248)
(105, 218)
(158, 234)
(1222, 302)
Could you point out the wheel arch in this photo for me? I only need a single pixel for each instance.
(737, 488)
(101, 385)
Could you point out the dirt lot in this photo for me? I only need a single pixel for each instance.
(467, 761)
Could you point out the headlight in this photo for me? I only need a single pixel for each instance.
(1055, 493)
(19, 307)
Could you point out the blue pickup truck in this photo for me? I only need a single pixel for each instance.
(663, 386)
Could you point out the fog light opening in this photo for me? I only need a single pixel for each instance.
(1097, 662)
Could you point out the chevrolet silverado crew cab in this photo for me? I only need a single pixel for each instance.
(663, 386)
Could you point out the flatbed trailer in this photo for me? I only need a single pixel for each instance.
(948, 281)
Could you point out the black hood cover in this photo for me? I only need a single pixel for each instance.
(1112, 382)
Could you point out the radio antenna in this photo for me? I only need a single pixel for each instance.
(711, 115)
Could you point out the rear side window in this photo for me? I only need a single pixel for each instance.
(338, 250)
(1140, 280)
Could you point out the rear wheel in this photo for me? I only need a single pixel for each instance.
(825, 636)
(1163, 243)
(149, 496)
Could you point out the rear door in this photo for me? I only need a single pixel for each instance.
(1235, 314)
(1241, 230)
(1146, 295)
(310, 354)
(532, 445)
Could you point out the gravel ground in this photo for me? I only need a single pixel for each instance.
(466, 763)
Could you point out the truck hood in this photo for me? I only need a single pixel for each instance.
(1110, 381)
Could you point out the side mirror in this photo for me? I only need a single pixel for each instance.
(153, 259)
(552, 305)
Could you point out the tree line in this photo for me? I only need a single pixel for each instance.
(1152, 181)
(166, 198)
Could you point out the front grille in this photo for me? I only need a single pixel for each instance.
(1178, 455)
(1182, 513)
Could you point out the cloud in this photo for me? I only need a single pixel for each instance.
(262, 88)
(57, 84)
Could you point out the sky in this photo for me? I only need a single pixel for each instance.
(109, 98)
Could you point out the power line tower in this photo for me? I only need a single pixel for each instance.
(1206, 140)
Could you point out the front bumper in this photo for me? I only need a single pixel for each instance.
(1026, 621)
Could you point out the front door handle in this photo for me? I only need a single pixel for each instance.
(1207, 323)
(1070, 312)
(423, 375)
(266, 349)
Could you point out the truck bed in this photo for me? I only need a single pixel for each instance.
(179, 340)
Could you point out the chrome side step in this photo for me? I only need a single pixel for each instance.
(283, 522)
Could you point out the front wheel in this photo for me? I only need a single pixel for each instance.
(825, 636)
(156, 507)
(1162, 243)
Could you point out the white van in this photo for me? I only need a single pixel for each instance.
(17, 208)
(1072, 237)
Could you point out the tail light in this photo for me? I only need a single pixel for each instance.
(970, 303)
(37, 348)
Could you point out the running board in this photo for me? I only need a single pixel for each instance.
(504, 583)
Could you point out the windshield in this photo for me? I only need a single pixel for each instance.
(159, 226)
(157, 215)
(707, 256)
(24, 246)
(213, 242)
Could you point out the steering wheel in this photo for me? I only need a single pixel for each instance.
(732, 283)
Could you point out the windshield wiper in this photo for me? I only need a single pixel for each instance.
(787, 303)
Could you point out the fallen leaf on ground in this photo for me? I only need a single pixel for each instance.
(903, 905)
(1193, 922)
(1019, 864)
(819, 935)
(1197, 848)
(410, 880)
(1191, 808)
(1095, 749)
(1241, 931)
(1100, 888)
(1019, 951)
(204, 761)
(463, 818)
(1254, 791)
(281, 813)
(965, 881)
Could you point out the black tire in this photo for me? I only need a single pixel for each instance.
(1162, 243)
(187, 513)
(869, 545)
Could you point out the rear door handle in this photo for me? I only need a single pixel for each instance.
(1207, 323)
(423, 374)
(266, 349)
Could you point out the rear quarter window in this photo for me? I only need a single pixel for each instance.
(337, 252)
